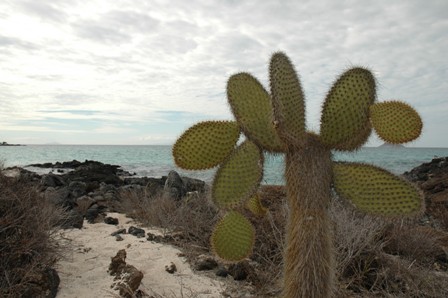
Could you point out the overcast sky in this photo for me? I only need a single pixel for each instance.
(141, 72)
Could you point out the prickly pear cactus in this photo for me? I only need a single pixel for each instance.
(275, 122)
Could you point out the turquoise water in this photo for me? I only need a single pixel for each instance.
(155, 161)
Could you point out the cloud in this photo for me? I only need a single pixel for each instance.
(100, 33)
(155, 67)
(45, 10)
(11, 42)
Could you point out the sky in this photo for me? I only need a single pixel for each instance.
(140, 72)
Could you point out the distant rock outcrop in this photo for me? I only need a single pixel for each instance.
(389, 145)
(6, 144)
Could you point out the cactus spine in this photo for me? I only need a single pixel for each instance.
(275, 122)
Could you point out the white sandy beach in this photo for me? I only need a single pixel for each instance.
(84, 273)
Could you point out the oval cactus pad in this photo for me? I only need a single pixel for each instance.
(375, 190)
(395, 122)
(233, 237)
(252, 108)
(239, 176)
(287, 98)
(205, 144)
(345, 113)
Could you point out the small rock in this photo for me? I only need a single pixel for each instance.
(129, 277)
(204, 262)
(77, 188)
(241, 270)
(111, 221)
(51, 180)
(174, 186)
(171, 268)
(74, 219)
(92, 213)
(154, 238)
(120, 231)
(117, 262)
(136, 231)
(118, 238)
(222, 272)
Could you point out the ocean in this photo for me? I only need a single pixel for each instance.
(157, 161)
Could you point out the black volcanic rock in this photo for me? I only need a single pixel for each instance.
(138, 232)
(92, 188)
(51, 180)
(95, 172)
(432, 179)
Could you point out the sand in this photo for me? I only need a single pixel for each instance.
(83, 271)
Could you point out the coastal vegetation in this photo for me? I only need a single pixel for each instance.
(28, 248)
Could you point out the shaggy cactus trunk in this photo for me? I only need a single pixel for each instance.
(308, 256)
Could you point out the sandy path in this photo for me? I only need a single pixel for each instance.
(84, 274)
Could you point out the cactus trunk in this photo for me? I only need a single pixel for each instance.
(309, 253)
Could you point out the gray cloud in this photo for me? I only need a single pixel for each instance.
(132, 21)
(45, 10)
(116, 26)
(136, 57)
(12, 42)
(98, 32)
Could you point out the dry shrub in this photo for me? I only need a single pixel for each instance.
(418, 244)
(380, 258)
(439, 213)
(374, 257)
(28, 249)
(270, 240)
(358, 240)
(192, 217)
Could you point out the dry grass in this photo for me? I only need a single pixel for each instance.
(358, 239)
(375, 258)
(191, 219)
(440, 214)
(27, 245)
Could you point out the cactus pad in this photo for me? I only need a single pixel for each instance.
(353, 144)
(346, 110)
(205, 144)
(251, 105)
(254, 205)
(395, 122)
(239, 176)
(374, 190)
(287, 99)
(233, 237)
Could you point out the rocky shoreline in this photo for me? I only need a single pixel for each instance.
(432, 179)
(90, 188)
